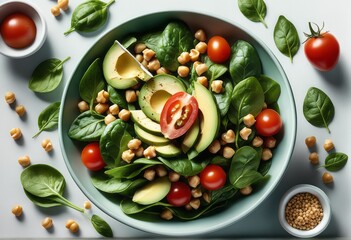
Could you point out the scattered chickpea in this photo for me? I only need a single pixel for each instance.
(229, 136)
(139, 152)
(201, 68)
(139, 57)
(24, 161)
(150, 152)
(327, 178)
(194, 181)
(203, 81)
(10, 97)
(16, 133)
(101, 108)
(214, 147)
(161, 171)
(245, 133)
(328, 145)
(149, 174)
(314, 158)
(196, 192)
(266, 154)
(47, 222)
(63, 4)
(162, 70)
(102, 96)
(173, 176)
(124, 115)
(183, 71)
(83, 106)
(194, 55)
(128, 156)
(201, 47)
(72, 226)
(55, 10)
(217, 86)
(20, 110)
(184, 58)
(109, 118)
(249, 120)
(270, 142)
(114, 109)
(131, 96)
(310, 141)
(257, 141)
(166, 214)
(246, 190)
(228, 152)
(134, 144)
(154, 65)
(47, 145)
(17, 210)
(148, 54)
(195, 203)
(139, 47)
(200, 35)
(206, 197)
(87, 205)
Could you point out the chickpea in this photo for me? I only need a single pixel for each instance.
(148, 54)
(20, 110)
(249, 120)
(128, 156)
(114, 109)
(16, 133)
(196, 192)
(327, 178)
(87, 205)
(134, 144)
(184, 58)
(154, 65)
(150, 152)
(217, 86)
(109, 118)
(214, 147)
(270, 142)
(174, 177)
(201, 47)
(266, 154)
(162, 70)
(310, 141)
(72, 226)
(314, 158)
(139, 57)
(83, 106)
(24, 161)
(139, 152)
(17, 210)
(101, 108)
(149, 174)
(139, 47)
(55, 10)
(206, 197)
(166, 214)
(194, 55)
(229, 136)
(47, 145)
(47, 222)
(195, 203)
(257, 141)
(102, 96)
(328, 145)
(203, 81)
(10, 97)
(161, 171)
(131, 96)
(228, 152)
(63, 4)
(245, 133)
(183, 71)
(201, 68)
(246, 190)
(194, 181)
(124, 115)
(200, 35)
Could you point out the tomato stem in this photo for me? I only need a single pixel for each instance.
(314, 33)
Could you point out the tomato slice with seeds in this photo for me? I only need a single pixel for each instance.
(178, 115)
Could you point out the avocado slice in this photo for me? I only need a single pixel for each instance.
(121, 70)
(209, 119)
(152, 192)
(149, 138)
(155, 92)
(139, 118)
(169, 150)
(191, 136)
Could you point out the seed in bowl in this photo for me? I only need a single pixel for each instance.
(304, 211)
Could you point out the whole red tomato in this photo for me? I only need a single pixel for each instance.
(322, 49)
(268, 123)
(18, 30)
(218, 49)
(91, 157)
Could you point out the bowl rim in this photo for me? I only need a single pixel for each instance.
(40, 35)
(324, 200)
(215, 226)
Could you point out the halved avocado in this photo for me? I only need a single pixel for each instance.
(152, 192)
(139, 117)
(155, 92)
(191, 136)
(149, 138)
(209, 119)
(120, 69)
(169, 150)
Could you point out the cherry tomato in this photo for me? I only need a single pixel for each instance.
(178, 114)
(322, 50)
(18, 30)
(268, 123)
(213, 177)
(91, 157)
(179, 194)
(218, 49)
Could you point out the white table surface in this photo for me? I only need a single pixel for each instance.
(262, 222)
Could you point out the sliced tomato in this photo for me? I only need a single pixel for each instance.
(178, 115)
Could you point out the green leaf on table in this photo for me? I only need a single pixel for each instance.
(101, 226)
(335, 161)
(48, 118)
(254, 10)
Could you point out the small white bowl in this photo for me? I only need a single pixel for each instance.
(324, 200)
(31, 11)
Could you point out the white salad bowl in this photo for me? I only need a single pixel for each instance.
(235, 210)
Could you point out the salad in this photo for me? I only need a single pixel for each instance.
(199, 133)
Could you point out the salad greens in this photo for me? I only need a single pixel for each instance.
(335, 161)
(48, 118)
(245, 91)
(254, 10)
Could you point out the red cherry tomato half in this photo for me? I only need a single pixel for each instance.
(91, 157)
(213, 177)
(218, 49)
(18, 30)
(179, 194)
(268, 123)
(178, 115)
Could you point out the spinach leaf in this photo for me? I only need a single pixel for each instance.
(47, 75)
(48, 118)
(243, 169)
(132, 170)
(335, 161)
(254, 10)
(175, 39)
(214, 70)
(271, 89)
(87, 127)
(89, 16)
(101, 226)
(247, 97)
(117, 97)
(318, 109)
(45, 202)
(92, 82)
(244, 62)
(114, 141)
(286, 37)
(130, 207)
(184, 166)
